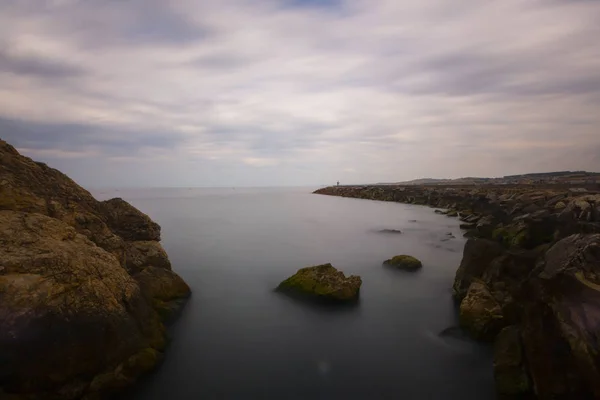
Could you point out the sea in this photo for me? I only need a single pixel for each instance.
(239, 339)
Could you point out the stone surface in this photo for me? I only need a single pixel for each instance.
(323, 282)
(67, 307)
(129, 222)
(75, 322)
(509, 372)
(480, 313)
(477, 256)
(405, 262)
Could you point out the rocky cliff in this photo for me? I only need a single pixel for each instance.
(84, 287)
(529, 280)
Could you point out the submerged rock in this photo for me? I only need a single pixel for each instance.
(322, 282)
(389, 231)
(405, 262)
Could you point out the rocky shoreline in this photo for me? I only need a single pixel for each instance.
(85, 287)
(529, 280)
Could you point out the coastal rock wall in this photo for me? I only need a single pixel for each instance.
(529, 280)
(84, 287)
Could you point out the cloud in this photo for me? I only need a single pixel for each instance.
(300, 91)
(35, 66)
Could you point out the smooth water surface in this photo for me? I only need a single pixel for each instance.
(237, 339)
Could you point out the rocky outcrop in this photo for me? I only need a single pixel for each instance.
(529, 280)
(83, 286)
(480, 313)
(322, 282)
(404, 262)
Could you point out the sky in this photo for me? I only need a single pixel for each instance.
(137, 93)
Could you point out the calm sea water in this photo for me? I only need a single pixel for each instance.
(237, 339)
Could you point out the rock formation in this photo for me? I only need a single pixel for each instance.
(83, 287)
(529, 280)
(405, 262)
(322, 282)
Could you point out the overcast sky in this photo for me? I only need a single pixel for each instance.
(120, 93)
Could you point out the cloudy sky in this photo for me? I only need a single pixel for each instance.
(300, 92)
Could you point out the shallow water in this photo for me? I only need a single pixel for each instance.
(238, 339)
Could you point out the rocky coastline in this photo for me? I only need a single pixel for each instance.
(85, 287)
(529, 280)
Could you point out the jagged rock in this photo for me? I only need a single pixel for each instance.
(562, 312)
(72, 316)
(480, 314)
(509, 372)
(405, 262)
(68, 308)
(164, 289)
(485, 225)
(322, 282)
(467, 226)
(477, 256)
(129, 222)
(142, 254)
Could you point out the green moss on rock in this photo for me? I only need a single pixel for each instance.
(480, 314)
(323, 282)
(405, 262)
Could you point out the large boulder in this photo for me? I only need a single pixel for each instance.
(405, 262)
(322, 282)
(480, 313)
(142, 254)
(29, 186)
(82, 284)
(477, 257)
(68, 308)
(164, 289)
(562, 313)
(129, 222)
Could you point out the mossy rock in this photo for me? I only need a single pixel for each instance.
(322, 282)
(522, 235)
(480, 314)
(452, 213)
(405, 262)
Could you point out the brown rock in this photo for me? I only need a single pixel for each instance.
(67, 307)
(71, 313)
(480, 314)
(142, 254)
(128, 222)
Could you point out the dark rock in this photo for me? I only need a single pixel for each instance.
(477, 256)
(128, 222)
(480, 313)
(509, 369)
(75, 323)
(404, 262)
(389, 231)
